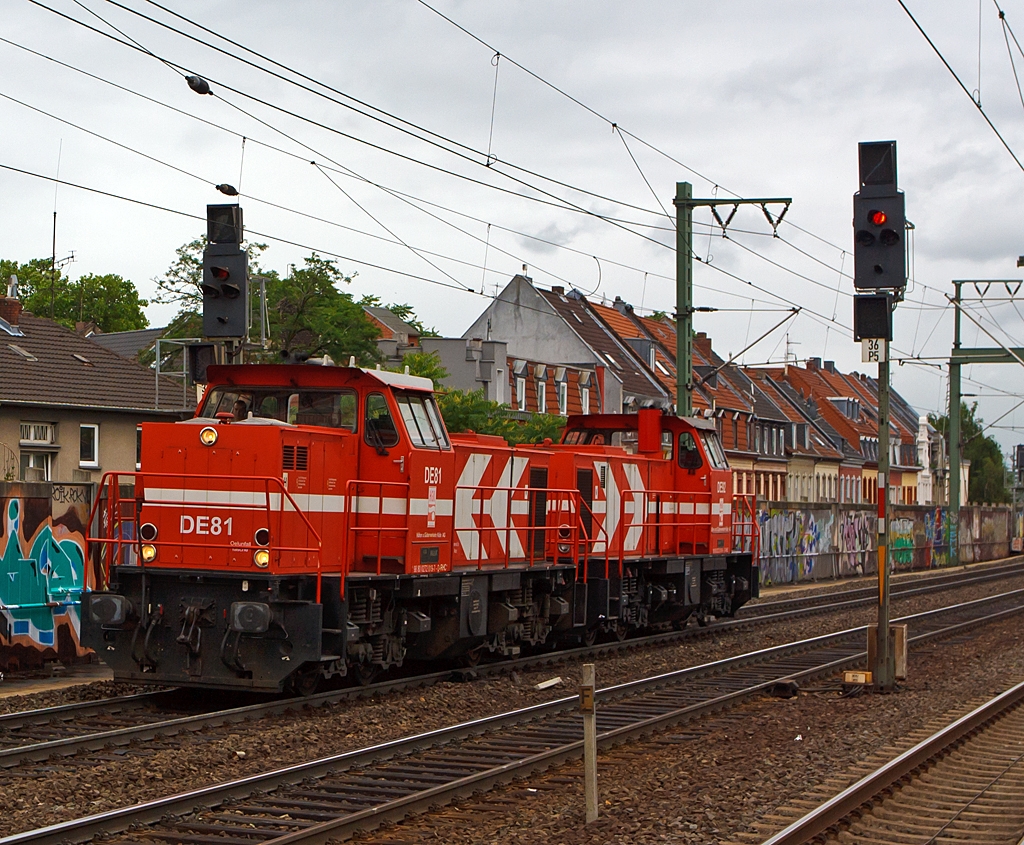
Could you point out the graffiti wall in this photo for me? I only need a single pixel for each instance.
(42, 572)
(809, 543)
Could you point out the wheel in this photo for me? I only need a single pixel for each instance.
(621, 631)
(590, 637)
(366, 673)
(472, 658)
(306, 682)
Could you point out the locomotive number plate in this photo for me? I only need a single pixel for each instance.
(205, 524)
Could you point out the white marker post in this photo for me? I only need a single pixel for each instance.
(588, 710)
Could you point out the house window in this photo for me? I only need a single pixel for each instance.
(89, 446)
(521, 394)
(33, 433)
(38, 443)
(563, 398)
(36, 460)
(585, 399)
(542, 397)
(138, 447)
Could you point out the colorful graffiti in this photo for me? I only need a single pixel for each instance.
(42, 574)
(857, 534)
(796, 543)
(901, 542)
(830, 541)
(938, 532)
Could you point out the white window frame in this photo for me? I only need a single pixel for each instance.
(95, 462)
(47, 462)
(563, 398)
(542, 397)
(585, 400)
(521, 393)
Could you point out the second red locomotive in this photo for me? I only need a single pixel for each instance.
(312, 522)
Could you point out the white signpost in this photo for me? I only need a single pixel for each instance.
(872, 350)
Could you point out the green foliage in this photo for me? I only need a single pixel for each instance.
(310, 314)
(988, 469)
(469, 411)
(425, 364)
(108, 300)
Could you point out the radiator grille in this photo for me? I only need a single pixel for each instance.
(296, 457)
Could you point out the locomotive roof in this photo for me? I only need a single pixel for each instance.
(310, 375)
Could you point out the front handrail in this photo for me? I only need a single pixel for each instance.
(352, 531)
(116, 519)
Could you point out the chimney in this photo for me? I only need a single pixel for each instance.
(10, 310)
(558, 289)
(621, 305)
(830, 366)
(814, 363)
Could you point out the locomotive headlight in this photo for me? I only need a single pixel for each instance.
(261, 557)
(262, 537)
(147, 531)
(208, 436)
(148, 553)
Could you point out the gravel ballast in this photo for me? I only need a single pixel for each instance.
(685, 789)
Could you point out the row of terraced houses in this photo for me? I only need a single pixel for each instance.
(792, 433)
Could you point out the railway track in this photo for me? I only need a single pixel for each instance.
(37, 736)
(332, 797)
(963, 784)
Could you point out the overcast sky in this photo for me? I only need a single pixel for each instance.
(740, 98)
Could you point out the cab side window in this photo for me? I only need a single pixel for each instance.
(380, 425)
(689, 453)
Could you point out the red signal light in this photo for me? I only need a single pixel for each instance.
(221, 274)
(878, 218)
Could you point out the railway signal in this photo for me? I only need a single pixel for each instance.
(880, 277)
(225, 283)
(879, 221)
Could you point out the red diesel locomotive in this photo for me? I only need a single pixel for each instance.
(312, 522)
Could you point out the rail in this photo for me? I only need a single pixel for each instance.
(119, 515)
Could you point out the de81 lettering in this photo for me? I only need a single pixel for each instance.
(204, 524)
(432, 475)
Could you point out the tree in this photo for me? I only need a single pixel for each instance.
(311, 315)
(469, 411)
(109, 300)
(988, 468)
(425, 364)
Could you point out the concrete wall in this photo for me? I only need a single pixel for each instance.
(809, 543)
(486, 367)
(116, 438)
(42, 571)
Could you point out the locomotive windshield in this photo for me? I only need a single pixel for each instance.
(422, 420)
(328, 408)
